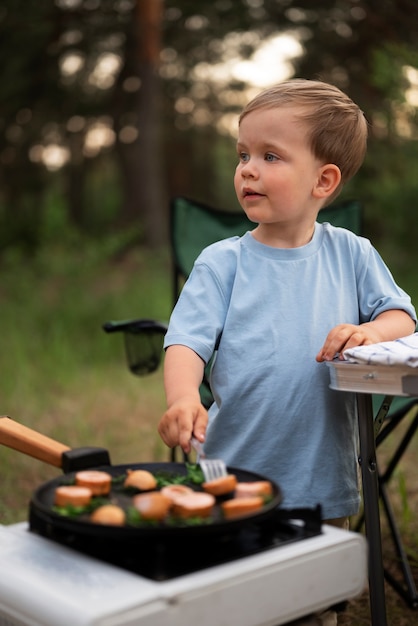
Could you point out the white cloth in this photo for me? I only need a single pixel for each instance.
(403, 351)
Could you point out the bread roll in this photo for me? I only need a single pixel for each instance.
(108, 514)
(140, 479)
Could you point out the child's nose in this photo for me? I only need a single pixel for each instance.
(249, 169)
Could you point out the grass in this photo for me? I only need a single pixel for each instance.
(66, 378)
(61, 374)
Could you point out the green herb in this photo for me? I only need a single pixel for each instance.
(75, 511)
(134, 518)
(188, 521)
(70, 510)
(194, 473)
(164, 479)
(96, 502)
(118, 480)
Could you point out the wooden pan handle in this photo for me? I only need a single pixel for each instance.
(24, 439)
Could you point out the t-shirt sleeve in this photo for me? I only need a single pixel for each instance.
(377, 289)
(199, 314)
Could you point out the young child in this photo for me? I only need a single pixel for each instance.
(280, 300)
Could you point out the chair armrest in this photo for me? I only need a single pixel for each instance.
(135, 326)
(143, 343)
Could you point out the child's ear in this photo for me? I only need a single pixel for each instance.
(329, 177)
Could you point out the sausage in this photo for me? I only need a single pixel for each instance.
(152, 505)
(194, 505)
(98, 482)
(241, 506)
(221, 486)
(256, 488)
(174, 491)
(72, 494)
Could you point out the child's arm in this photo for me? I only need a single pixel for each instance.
(185, 415)
(387, 326)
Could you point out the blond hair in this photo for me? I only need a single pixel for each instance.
(337, 127)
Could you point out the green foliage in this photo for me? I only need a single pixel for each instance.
(61, 373)
(54, 307)
(388, 187)
(387, 74)
(361, 50)
(403, 493)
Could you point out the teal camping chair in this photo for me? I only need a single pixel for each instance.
(193, 226)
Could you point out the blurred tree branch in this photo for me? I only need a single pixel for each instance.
(125, 94)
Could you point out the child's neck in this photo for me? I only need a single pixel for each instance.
(277, 236)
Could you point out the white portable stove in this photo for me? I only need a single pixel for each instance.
(43, 583)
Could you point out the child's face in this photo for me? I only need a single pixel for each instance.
(277, 172)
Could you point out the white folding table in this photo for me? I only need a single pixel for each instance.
(365, 380)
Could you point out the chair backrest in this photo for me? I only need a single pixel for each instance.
(347, 214)
(195, 225)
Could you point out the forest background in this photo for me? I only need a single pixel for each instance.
(110, 107)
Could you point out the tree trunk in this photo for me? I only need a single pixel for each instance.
(149, 185)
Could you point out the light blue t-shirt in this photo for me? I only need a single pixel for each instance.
(272, 309)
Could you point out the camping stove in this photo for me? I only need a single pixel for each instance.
(266, 579)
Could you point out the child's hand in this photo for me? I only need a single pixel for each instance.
(387, 326)
(346, 336)
(183, 419)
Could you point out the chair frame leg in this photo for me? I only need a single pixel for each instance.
(409, 591)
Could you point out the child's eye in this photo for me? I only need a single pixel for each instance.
(243, 157)
(270, 157)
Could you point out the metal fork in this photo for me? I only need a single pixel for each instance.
(211, 468)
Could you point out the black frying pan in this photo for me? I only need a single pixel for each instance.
(46, 521)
